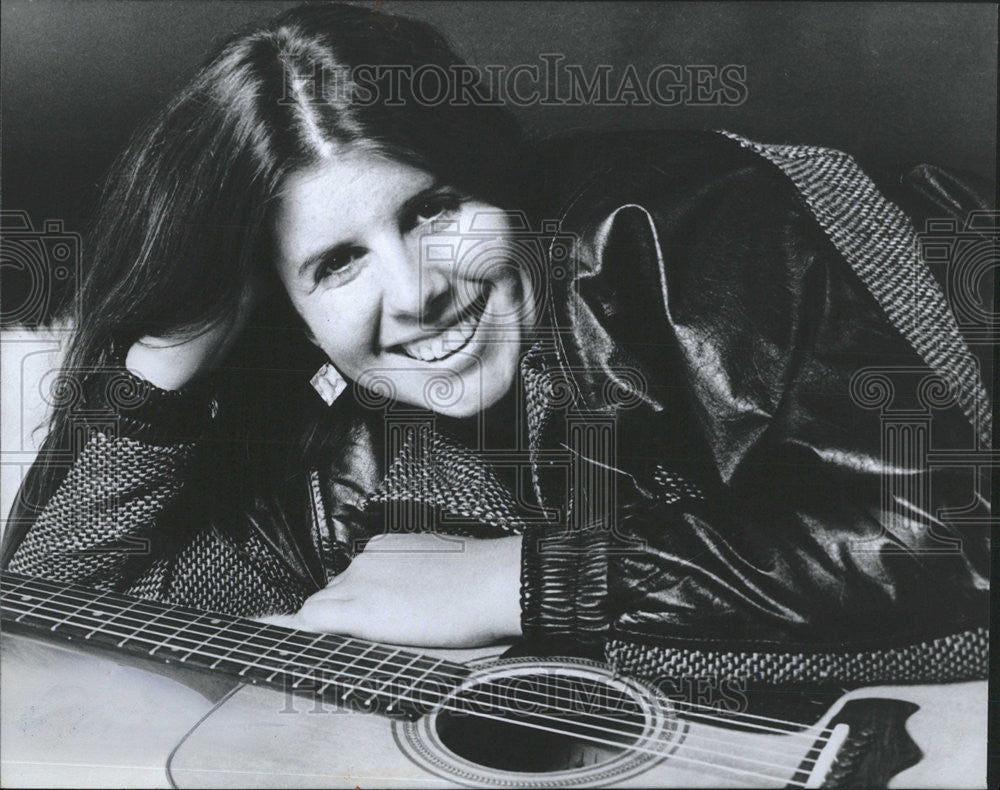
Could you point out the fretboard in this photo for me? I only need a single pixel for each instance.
(336, 669)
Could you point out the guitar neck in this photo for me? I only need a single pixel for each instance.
(334, 668)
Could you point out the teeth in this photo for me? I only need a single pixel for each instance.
(444, 344)
(453, 339)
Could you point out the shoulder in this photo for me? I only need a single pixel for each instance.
(578, 177)
(692, 241)
(702, 216)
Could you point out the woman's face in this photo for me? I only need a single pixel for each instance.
(410, 287)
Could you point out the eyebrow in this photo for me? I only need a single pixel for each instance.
(436, 187)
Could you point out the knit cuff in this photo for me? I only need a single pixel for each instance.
(564, 585)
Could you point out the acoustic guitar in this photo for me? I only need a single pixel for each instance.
(105, 689)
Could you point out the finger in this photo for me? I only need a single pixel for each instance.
(282, 620)
(327, 615)
(314, 619)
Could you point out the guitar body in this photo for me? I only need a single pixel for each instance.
(72, 718)
(86, 718)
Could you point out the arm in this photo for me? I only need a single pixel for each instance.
(126, 497)
(89, 505)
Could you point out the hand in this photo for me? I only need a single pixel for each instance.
(172, 361)
(425, 590)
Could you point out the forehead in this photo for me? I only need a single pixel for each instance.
(339, 200)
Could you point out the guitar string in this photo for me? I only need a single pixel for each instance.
(144, 625)
(195, 650)
(796, 768)
(794, 727)
(376, 694)
(258, 634)
(370, 671)
(728, 717)
(641, 728)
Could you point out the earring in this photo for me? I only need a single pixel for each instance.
(328, 383)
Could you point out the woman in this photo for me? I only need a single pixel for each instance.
(660, 447)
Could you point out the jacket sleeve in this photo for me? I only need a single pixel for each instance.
(103, 477)
(117, 500)
(790, 504)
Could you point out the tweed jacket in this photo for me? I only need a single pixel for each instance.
(730, 425)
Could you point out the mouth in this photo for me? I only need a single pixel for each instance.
(451, 339)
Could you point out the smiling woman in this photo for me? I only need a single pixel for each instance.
(637, 376)
(351, 234)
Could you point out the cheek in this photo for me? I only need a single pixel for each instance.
(343, 328)
(486, 249)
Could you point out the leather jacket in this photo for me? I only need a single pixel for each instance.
(710, 295)
(721, 476)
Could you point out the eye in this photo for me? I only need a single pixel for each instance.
(337, 261)
(435, 207)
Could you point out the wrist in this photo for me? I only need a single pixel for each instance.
(564, 584)
(506, 587)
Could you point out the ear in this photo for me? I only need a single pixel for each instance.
(311, 337)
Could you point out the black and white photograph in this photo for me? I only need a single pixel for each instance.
(440, 394)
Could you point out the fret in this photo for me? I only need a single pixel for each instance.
(37, 597)
(313, 655)
(133, 633)
(282, 653)
(406, 692)
(253, 664)
(199, 645)
(350, 665)
(51, 599)
(169, 636)
(51, 614)
(240, 643)
(86, 610)
(90, 611)
(10, 579)
(398, 674)
(296, 684)
(232, 645)
(328, 655)
(372, 672)
(111, 617)
(130, 632)
(197, 633)
(212, 623)
(71, 615)
(68, 599)
(116, 616)
(11, 586)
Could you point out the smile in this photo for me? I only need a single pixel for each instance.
(451, 340)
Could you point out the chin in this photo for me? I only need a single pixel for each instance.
(472, 401)
(459, 411)
(467, 406)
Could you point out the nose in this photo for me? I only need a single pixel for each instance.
(412, 289)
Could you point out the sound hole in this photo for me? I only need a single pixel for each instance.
(539, 723)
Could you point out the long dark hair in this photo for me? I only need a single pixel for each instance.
(185, 218)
